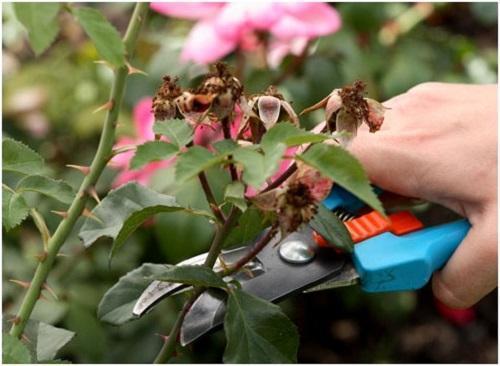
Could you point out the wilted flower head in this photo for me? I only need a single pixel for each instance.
(263, 111)
(164, 102)
(347, 108)
(297, 201)
(213, 100)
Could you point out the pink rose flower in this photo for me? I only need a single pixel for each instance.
(224, 27)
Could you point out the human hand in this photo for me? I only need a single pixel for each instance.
(439, 142)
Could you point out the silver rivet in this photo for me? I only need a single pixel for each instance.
(296, 251)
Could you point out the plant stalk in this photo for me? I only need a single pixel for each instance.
(167, 351)
(99, 162)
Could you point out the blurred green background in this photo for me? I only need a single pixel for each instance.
(48, 103)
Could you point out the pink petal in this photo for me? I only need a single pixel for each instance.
(231, 22)
(144, 120)
(143, 175)
(204, 45)
(307, 20)
(262, 15)
(187, 10)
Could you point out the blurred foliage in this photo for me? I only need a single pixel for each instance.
(48, 103)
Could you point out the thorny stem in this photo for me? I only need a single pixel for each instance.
(167, 351)
(100, 160)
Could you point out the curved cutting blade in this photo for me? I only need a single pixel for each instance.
(277, 280)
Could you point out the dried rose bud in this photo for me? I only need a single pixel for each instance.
(223, 90)
(296, 203)
(376, 113)
(269, 108)
(164, 102)
(346, 109)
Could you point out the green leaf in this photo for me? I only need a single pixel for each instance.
(123, 210)
(329, 226)
(194, 161)
(152, 151)
(51, 340)
(56, 189)
(19, 158)
(14, 208)
(250, 225)
(225, 146)
(45, 339)
(338, 164)
(259, 166)
(235, 194)
(14, 351)
(118, 302)
(40, 20)
(177, 131)
(106, 38)
(257, 331)
(190, 275)
(290, 135)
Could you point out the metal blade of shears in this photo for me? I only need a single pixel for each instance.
(280, 278)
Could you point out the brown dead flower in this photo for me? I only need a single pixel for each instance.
(297, 201)
(347, 108)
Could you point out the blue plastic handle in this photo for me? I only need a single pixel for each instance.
(397, 263)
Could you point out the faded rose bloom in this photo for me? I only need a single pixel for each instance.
(224, 27)
(297, 201)
(164, 102)
(263, 111)
(213, 100)
(347, 108)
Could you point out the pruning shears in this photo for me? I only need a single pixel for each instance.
(393, 253)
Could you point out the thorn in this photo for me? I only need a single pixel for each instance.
(63, 214)
(15, 320)
(106, 106)
(23, 284)
(163, 337)
(87, 213)
(62, 255)
(25, 338)
(223, 264)
(248, 272)
(51, 291)
(105, 63)
(42, 297)
(93, 193)
(133, 70)
(85, 170)
(41, 257)
(113, 165)
(123, 149)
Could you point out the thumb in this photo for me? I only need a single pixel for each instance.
(471, 272)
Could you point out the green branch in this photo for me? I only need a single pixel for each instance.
(99, 162)
(167, 351)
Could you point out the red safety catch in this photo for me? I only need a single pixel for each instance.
(373, 223)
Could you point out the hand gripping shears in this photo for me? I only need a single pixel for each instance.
(396, 253)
